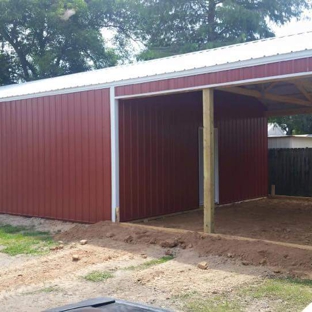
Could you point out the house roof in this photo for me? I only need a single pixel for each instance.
(213, 60)
(275, 130)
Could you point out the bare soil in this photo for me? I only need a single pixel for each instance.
(269, 219)
(42, 282)
(294, 261)
(61, 281)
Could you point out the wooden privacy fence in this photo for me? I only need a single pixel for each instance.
(290, 170)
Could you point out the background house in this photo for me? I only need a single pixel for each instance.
(290, 141)
(278, 138)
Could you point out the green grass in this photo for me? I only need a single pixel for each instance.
(195, 302)
(98, 276)
(213, 305)
(149, 264)
(280, 294)
(296, 294)
(18, 240)
(49, 289)
(46, 290)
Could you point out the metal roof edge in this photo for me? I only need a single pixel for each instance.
(172, 75)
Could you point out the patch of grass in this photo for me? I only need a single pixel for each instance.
(280, 294)
(149, 264)
(98, 276)
(295, 294)
(22, 240)
(46, 290)
(214, 305)
(186, 295)
(49, 289)
(195, 302)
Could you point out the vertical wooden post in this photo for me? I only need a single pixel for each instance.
(208, 124)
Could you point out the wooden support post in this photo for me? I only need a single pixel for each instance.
(208, 124)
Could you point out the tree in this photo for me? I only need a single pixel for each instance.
(298, 124)
(48, 38)
(179, 26)
(7, 66)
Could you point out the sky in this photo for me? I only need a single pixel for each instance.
(294, 27)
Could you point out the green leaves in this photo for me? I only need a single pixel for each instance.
(7, 67)
(180, 26)
(50, 38)
(294, 125)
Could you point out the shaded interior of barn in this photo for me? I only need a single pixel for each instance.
(159, 152)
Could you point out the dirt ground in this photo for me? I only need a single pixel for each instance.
(35, 283)
(270, 219)
(55, 280)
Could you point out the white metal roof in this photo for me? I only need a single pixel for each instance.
(235, 56)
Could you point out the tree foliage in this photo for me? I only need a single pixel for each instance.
(298, 124)
(48, 38)
(7, 69)
(179, 26)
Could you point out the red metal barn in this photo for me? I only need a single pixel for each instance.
(125, 142)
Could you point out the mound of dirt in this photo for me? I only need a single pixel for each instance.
(293, 260)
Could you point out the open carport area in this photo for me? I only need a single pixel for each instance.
(281, 220)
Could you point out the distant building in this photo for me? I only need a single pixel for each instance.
(279, 139)
(275, 129)
(290, 141)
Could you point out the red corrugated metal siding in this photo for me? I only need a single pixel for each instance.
(159, 152)
(243, 147)
(159, 155)
(254, 72)
(55, 157)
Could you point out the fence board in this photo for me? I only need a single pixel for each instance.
(290, 170)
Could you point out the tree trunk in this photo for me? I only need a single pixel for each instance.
(211, 19)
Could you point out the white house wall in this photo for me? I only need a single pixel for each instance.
(290, 142)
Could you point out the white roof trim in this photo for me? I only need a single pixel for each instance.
(208, 61)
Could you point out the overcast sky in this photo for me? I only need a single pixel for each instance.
(294, 27)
